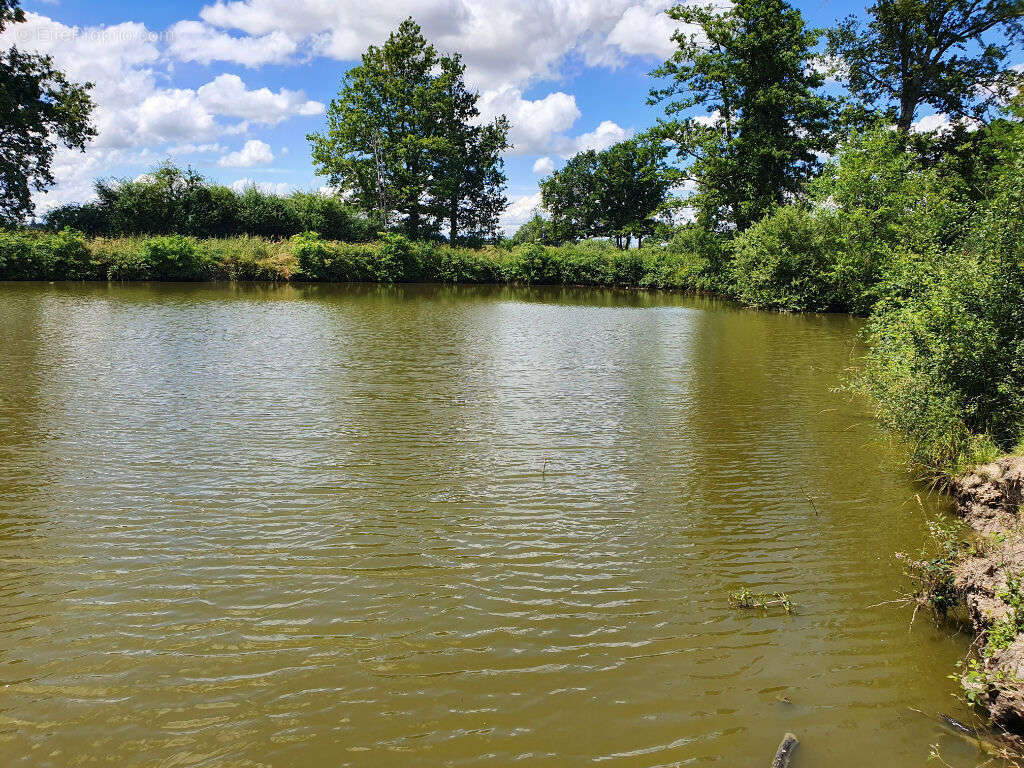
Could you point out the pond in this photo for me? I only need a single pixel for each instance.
(247, 525)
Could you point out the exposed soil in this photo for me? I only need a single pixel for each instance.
(990, 500)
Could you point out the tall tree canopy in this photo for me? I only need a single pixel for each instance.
(616, 193)
(934, 52)
(750, 67)
(38, 109)
(403, 137)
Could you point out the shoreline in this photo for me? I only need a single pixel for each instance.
(985, 578)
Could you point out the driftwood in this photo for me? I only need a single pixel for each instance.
(785, 751)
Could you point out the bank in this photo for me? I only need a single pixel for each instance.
(982, 574)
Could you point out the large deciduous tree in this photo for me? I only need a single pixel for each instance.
(404, 139)
(930, 52)
(750, 66)
(616, 193)
(469, 181)
(39, 108)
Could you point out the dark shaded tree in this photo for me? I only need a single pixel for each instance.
(467, 188)
(616, 193)
(947, 54)
(39, 109)
(750, 67)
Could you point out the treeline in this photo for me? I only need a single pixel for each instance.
(172, 201)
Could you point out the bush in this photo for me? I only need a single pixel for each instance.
(27, 255)
(946, 361)
(790, 260)
(261, 215)
(176, 258)
(532, 264)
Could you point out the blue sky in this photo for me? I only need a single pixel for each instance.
(232, 87)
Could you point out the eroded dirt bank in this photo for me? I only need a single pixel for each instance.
(989, 578)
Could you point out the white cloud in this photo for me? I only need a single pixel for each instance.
(544, 166)
(602, 137)
(645, 30)
(534, 123)
(941, 123)
(265, 187)
(709, 121)
(194, 149)
(135, 114)
(506, 42)
(520, 210)
(254, 152)
(227, 95)
(195, 41)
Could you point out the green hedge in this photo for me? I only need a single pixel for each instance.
(41, 255)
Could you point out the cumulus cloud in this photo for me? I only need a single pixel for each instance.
(227, 95)
(255, 152)
(508, 46)
(709, 121)
(503, 42)
(534, 122)
(520, 210)
(544, 166)
(602, 137)
(645, 30)
(195, 41)
(135, 113)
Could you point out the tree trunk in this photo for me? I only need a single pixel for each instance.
(453, 219)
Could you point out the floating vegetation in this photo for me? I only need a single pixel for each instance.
(745, 598)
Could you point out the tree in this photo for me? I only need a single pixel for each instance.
(469, 182)
(570, 195)
(536, 230)
(38, 109)
(934, 52)
(633, 187)
(750, 68)
(403, 137)
(615, 193)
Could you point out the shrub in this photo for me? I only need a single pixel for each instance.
(946, 361)
(27, 255)
(19, 258)
(67, 257)
(464, 265)
(532, 264)
(790, 260)
(175, 258)
(262, 215)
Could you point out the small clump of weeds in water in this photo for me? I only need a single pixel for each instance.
(745, 598)
(933, 575)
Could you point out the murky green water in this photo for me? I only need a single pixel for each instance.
(424, 526)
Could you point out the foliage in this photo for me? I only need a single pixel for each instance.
(921, 52)
(616, 193)
(403, 139)
(946, 363)
(745, 598)
(874, 219)
(749, 66)
(39, 109)
(536, 230)
(172, 201)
